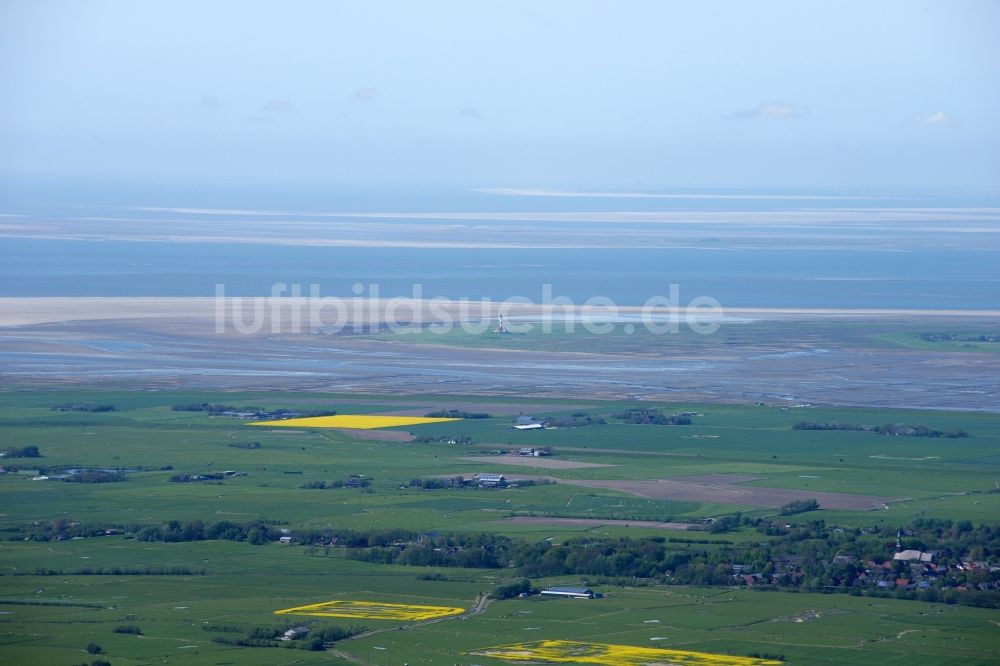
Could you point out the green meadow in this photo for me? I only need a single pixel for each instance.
(51, 618)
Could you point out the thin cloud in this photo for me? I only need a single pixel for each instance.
(936, 118)
(777, 109)
(278, 106)
(366, 95)
(534, 192)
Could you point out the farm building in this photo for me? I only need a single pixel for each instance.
(295, 633)
(489, 479)
(528, 423)
(569, 592)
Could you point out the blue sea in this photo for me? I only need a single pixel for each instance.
(848, 277)
(752, 278)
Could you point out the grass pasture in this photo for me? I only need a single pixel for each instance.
(50, 619)
(58, 596)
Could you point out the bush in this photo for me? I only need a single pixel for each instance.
(96, 476)
(456, 414)
(651, 417)
(799, 506)
(128, 629)
(30, 451)
(512, 590)
(94, 648)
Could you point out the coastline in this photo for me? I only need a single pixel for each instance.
(32, 310)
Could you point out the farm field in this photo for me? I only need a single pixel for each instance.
(371, 610)
(183, 466)
(351, 421)
(935, 477)
(49, 619)
(577, 652)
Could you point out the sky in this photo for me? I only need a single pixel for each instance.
(616, 95)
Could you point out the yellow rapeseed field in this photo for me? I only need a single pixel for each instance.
(355, 421)
(613, 655)
(372, 610)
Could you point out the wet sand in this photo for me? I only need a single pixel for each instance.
(780, 357)
(531, 461)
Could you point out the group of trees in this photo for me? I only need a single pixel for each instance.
(478, 551)
(211, 408)
(798, 557)
(350, 482)
(514, 589)
(574, 420)
(438, 484)
(93, 649)
(30, 451)
(444, 439)
(96, 476)
(809, 556)
(457, 414)
(884, 429)
(215, 409)
(799, 506)
(651, 417)
(317, 639)
(191, 478)
(256, 532)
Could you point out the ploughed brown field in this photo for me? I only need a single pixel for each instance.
(726, 493)
(754, 495)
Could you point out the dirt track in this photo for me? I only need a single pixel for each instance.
(531, 461)
(377, 435)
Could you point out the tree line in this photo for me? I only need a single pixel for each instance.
(456, 414)
(884, 429)
(810, 557)
(651, 417)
